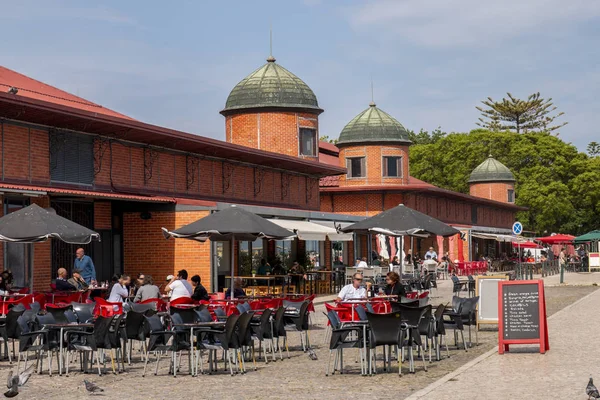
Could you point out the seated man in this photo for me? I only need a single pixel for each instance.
(362, 263)
(237, 289)
(61, 281)
(432, 254)
(77, 281)
(429, 265)
(200, 292)
(352, 290)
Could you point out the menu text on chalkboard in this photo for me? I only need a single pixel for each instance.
(522, 314)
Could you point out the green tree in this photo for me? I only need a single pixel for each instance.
(424, 137)
(328, 139)
(557, 183)
(533, 114)
(593, 149)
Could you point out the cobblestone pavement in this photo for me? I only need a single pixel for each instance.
(297, 377)
(561, 373)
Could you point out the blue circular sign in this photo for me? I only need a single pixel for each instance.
(517, 228)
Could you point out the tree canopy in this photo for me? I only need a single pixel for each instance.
(558, 184)
(521, 116)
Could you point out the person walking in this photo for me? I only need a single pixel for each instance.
(85, 264)
(562, 261)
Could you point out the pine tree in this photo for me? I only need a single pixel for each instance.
(522, 116)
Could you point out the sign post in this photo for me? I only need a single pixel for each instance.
(517, 230)
(522, 314)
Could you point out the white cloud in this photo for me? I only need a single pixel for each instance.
(468, 22)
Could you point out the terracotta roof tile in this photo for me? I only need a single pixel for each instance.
(29, 87)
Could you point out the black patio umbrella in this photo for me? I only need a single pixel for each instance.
(401, 221)
(35, 224)
(231, 224)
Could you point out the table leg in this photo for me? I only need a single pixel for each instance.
(60, 352)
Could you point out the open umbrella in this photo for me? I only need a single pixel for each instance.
(556, 239)
(34, 224)
(526, 245)
(592, 236)
(400, 221)
(231, 224)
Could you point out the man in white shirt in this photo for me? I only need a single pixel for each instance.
(429, 265)
(119, 290)
(179, 286)
(362, 263)
(353, 290)
(431, 253)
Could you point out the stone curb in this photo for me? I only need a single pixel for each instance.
(425, 391)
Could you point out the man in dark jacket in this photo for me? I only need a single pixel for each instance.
(200, 292)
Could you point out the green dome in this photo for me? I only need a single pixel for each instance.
(491, 170)
(373, 125)
(271, 86)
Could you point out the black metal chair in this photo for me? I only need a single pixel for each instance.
(10, 329)
(84, 312)
(471, 285)
(37, 338)
(146, 309)
(244, 339)
(262, 330)
(385, 330)
(162, 340)
(440, 331)
(468, 315)
(412, 317)
(92, 342)
(59, 314)
(454, 320)
(214, 340)
(299, 323)
(136, 329)
(343, 338)
(279, 331)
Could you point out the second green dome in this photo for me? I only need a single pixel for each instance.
(271, 86)
(373, 125)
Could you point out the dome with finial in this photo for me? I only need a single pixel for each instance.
(491, 170)
(271, 86)
(373, 125)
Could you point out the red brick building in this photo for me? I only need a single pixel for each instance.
(126, 179)
(374, 147)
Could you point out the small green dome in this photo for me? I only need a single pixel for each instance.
(491, 170)
(271, 86)
(373, 125)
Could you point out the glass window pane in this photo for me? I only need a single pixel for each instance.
(307, 142)
(283, 252)
(356, 167)
(391, 166)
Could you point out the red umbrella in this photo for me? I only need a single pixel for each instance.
(557, 239)
(526, 245)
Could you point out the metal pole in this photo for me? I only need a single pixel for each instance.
(519, 255)
(232, 266)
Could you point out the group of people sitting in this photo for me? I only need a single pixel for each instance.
(430, 264)
(359, 291)
(140, 289)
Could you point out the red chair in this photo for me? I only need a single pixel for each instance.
(107, 309)
(67, 298)
(412, 295)
(39, 298)
(23, 291)
(161, 305)
(423, 295)
(181, 300)
(344, 313)
(311, 306)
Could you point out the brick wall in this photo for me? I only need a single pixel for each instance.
(26, 154)
(491, 190)
(147, 251)
(270, 131)
(374, 164)
(446, 210)
(102, 215)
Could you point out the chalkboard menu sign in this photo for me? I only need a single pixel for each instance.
(522, 314)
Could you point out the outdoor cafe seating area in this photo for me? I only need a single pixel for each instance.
(35, 330)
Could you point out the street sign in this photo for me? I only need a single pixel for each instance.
(517, 228)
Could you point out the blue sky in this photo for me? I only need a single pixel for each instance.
(174, 63)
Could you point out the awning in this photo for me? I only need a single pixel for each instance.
(496, 237)
(307, 230)
(336, 237)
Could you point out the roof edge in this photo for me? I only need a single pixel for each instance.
(283, 107)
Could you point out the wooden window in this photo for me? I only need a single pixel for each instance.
(392, 167)
(356, 167)
(72, 159)
(308, 142)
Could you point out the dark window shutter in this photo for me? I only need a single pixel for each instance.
(73, 160)
(349, 167)
(363, 167)
(399, 166)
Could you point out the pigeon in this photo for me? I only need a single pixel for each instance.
(312, 355)
(13, 382)
(92, 387)
(14, 387)
(591, 390)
